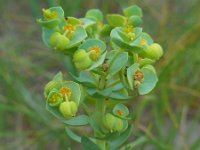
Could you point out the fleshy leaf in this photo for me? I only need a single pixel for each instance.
(85, 22)
(119, 140)
(72, 135)
(150, 80)
(77, 121)
(86, 78)
(116, 20)
(98, 62)
(91, 43)
(120, 110)
(58, 76)
(88, 144)
(94, 14)
(133, 10)
(118, 62)
(78, 36)
(130, 74)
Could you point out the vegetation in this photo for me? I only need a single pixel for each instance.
(167, 118)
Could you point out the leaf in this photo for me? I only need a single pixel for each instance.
(118, 62)
(72, 135)
(85, 22)
(58, 76)
(78, 36)
(73, 21)
(133, 10)
(98, 62)
(138, 141)
(135, 21)
(77, 121)
(94, 14)
(116, 20)
(122, 109)
(46, 34)
(115, 143)
(105, 31)
(88, 144)
(86, 78)
(76, 91)
(150, 80)
(54, 111)
(130, 74)
(91, 43)
(146, 61)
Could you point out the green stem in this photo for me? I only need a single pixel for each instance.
(100, 108)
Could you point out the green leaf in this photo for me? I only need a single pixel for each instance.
(77, 121)
(46, 34)
(120, 110)
(72, 135)
(58, 76)
(88, 144)
(146, 61)
(73, 21)
(133, 10)
(115, 143)
(121, 39)
(150, 80)
(76, 91)
(54, 111)
(130, 74)
(120, 95)
(78, 36)
(139, 141)
(94, 14)
(85, 77)
(91, 43)
(135, 21)
(98, 62)
(105, 31)
(85, 22)
(53, 22)
(116, 20)
(118, 62)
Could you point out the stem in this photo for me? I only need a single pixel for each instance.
(100, 108)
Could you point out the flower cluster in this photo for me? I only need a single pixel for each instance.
(112, 60)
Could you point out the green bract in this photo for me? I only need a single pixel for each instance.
(108, 62)
(51, 17)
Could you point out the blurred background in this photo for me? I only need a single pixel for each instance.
(169, 117)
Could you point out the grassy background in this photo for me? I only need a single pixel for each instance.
(169, 117)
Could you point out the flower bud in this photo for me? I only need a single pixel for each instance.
(154, 51)
(58, 41)
(54, 84)
(81, 59)
(113, 123)
(68, 109)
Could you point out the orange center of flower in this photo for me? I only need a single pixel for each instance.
(70, 28)
(65, 92)
(143, 42)
(119, 113)
(129, 29)
(95, 49)
(139, 75)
